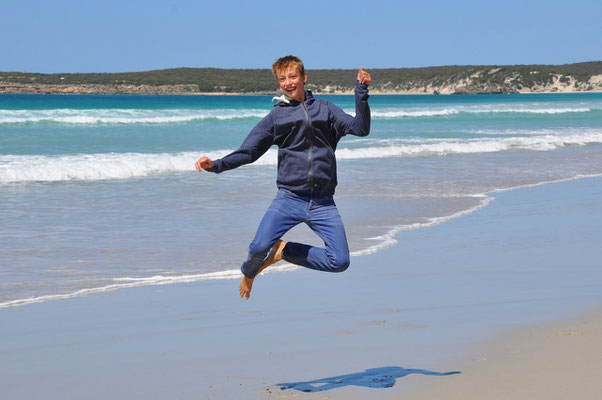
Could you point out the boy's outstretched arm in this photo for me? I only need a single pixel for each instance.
(254, 146)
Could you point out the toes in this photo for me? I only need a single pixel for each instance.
(244, 292)
(244, 288)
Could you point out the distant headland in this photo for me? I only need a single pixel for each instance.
(467, 79)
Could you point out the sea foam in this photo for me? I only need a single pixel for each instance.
(178, 116)
(123, 116)
(92, 167)
(447, 111)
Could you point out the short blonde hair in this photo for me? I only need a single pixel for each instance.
(286, 62)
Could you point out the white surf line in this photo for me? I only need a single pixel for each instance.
(388, 239)
(455, 111)
(526, 185)
(137, 282)
(127, 283)
(123, 116)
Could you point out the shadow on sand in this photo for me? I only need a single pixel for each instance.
(383, 377)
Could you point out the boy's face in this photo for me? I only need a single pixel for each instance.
(292, 83)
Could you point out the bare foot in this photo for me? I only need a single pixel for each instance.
(274, 256)
(245, 287)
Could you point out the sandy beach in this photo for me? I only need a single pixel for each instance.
(484, 306)
(550, 361)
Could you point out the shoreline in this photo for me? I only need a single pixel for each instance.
(159, 280)
(413, 310)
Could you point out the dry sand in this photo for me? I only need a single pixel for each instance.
(552, 361)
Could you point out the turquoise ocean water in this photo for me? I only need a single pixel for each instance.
(100, 192)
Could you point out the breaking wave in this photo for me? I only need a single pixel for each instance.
(92, 167)
(123, 116)
(171, 116)
(396, 113)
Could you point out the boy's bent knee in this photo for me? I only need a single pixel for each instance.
(341, 264)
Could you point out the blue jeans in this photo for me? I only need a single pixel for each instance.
(289, 209)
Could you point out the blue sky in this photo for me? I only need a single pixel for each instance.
(135, 35)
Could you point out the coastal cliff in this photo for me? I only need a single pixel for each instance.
(580, 77)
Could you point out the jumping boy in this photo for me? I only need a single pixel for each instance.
(306, 131)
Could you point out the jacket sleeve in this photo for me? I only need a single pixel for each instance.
(358, 125)
(254, 146)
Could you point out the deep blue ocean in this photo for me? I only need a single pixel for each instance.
(100, 192)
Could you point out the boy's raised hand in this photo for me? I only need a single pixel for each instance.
(364, 77)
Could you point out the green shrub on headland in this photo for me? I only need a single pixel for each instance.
(446, 79)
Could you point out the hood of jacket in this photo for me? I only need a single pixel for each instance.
(284, 100)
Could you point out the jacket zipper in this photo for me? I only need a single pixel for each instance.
(309, 138)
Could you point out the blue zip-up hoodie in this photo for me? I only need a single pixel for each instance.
(307, 135)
